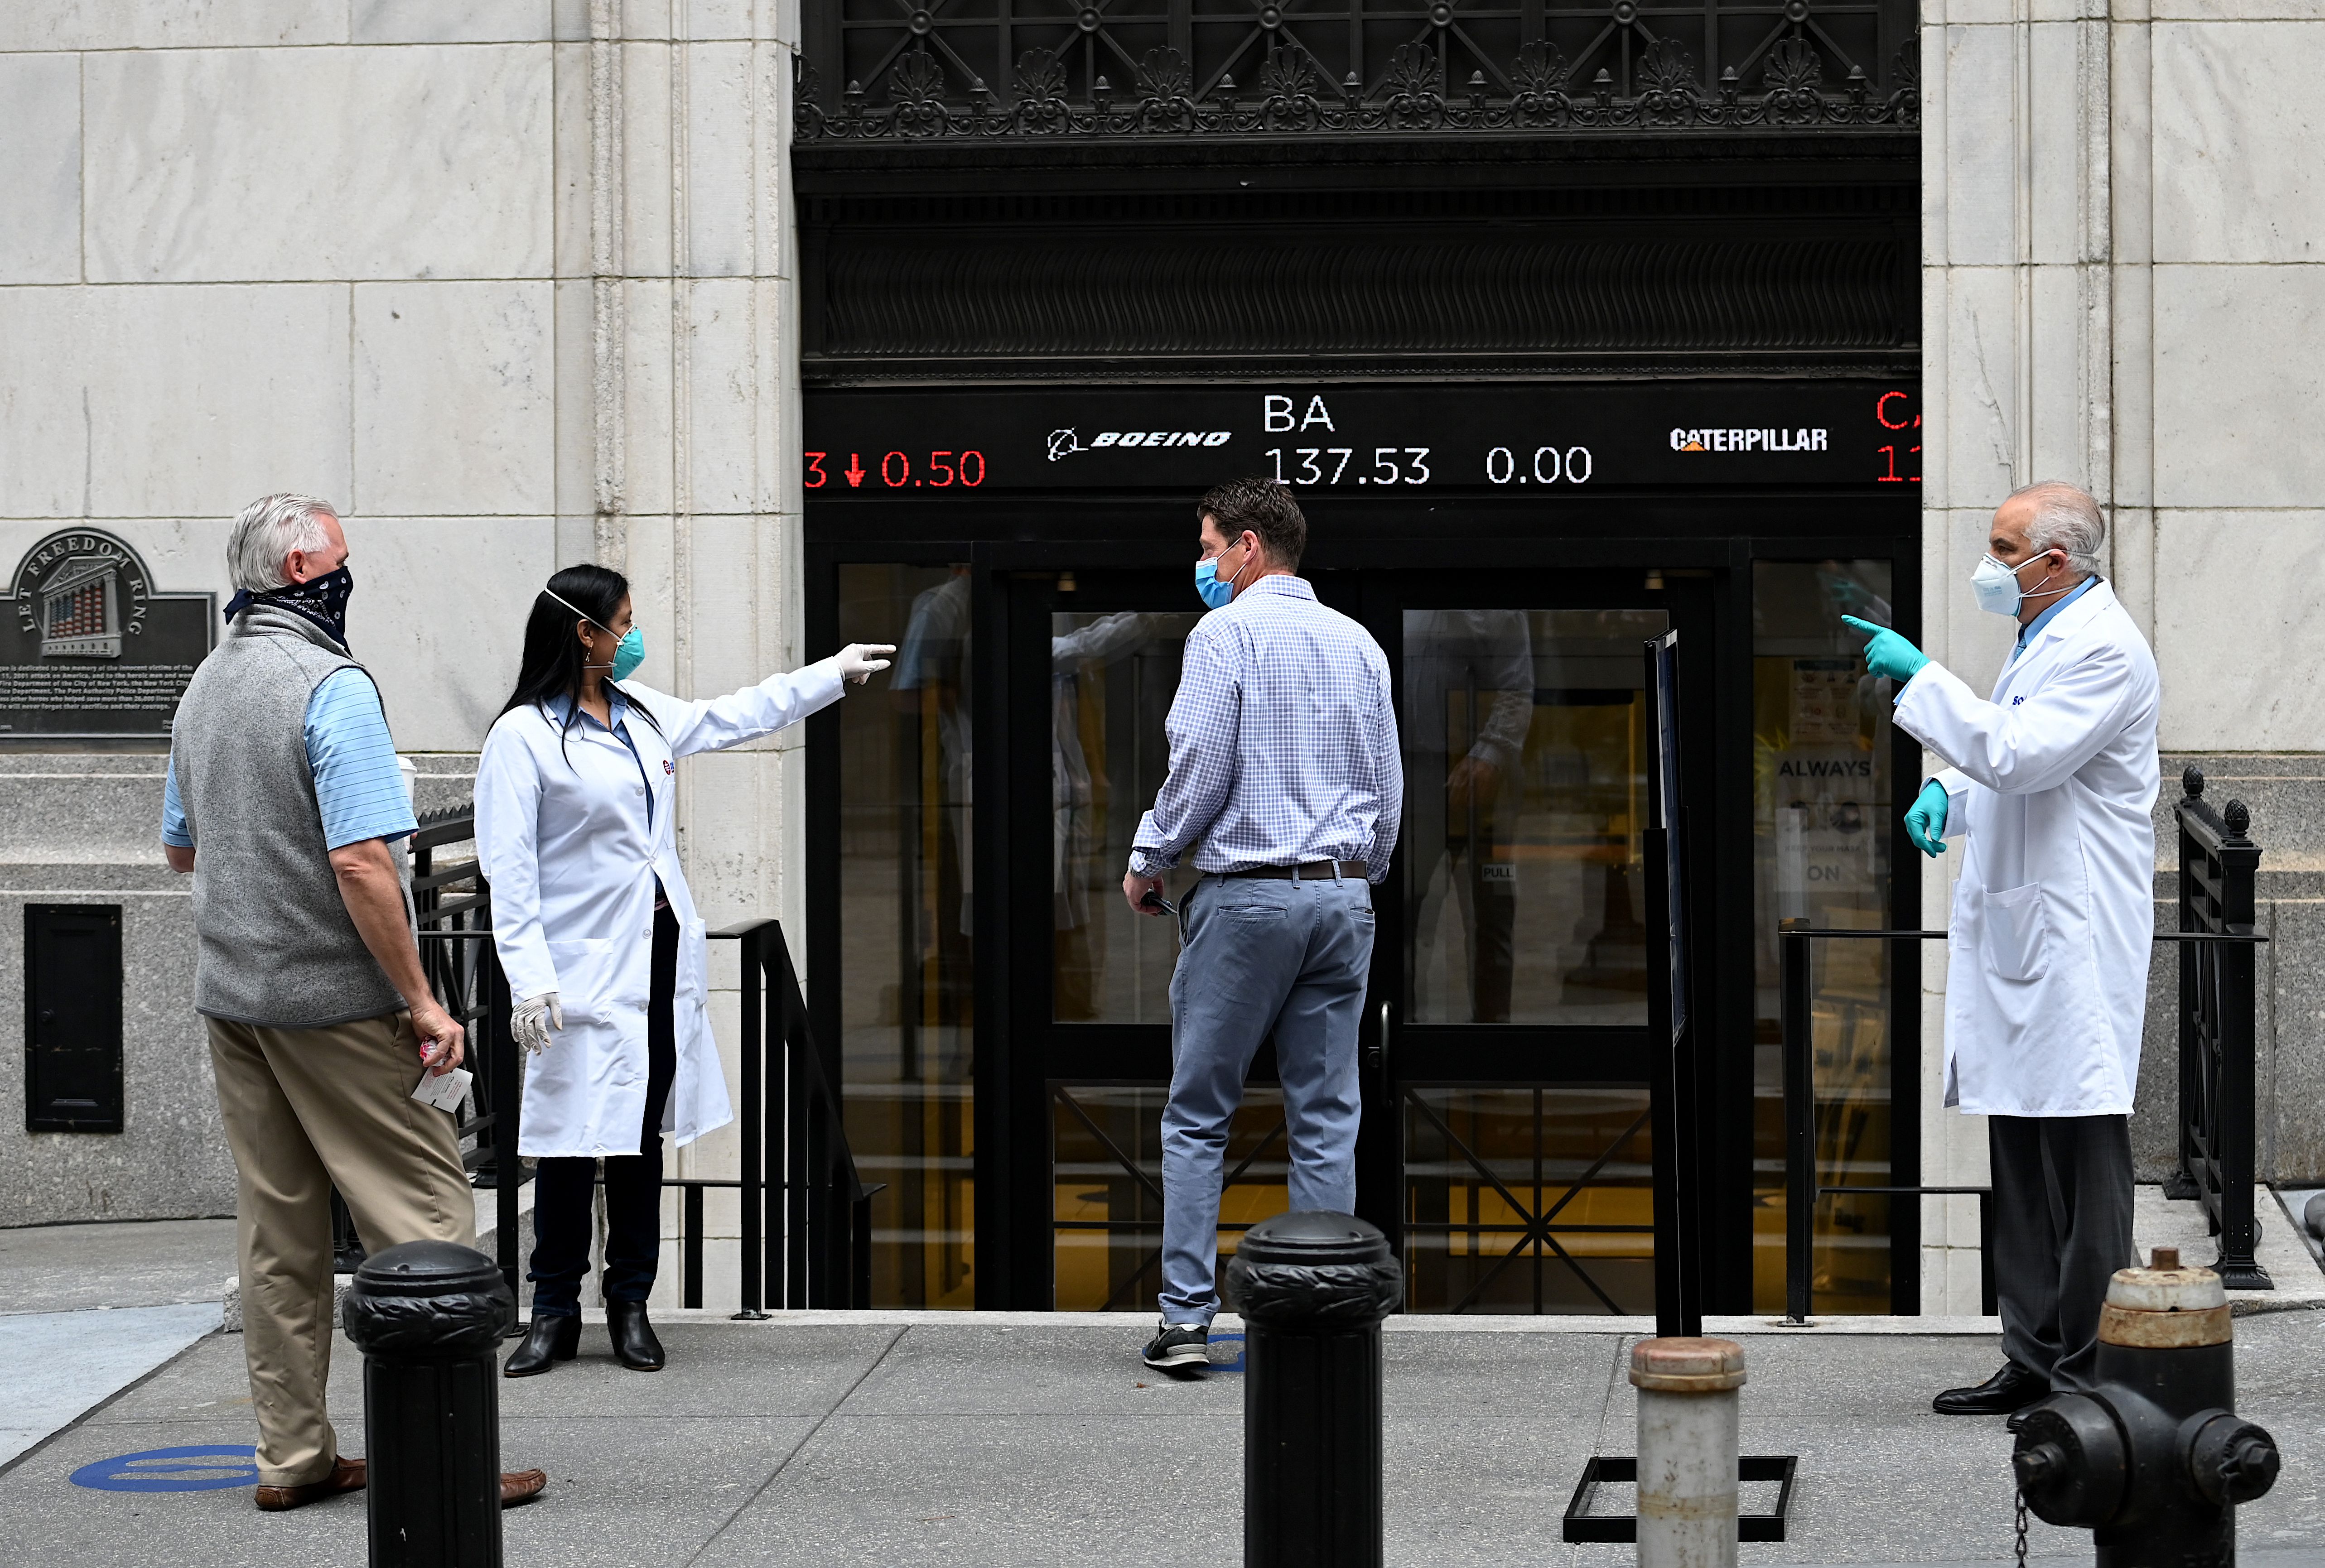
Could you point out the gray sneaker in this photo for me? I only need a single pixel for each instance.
(1177, 1346)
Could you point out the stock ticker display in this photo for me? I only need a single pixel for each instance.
(1363, 439)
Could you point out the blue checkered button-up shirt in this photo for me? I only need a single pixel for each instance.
(1283, 742)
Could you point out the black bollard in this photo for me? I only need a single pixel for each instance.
(428, 1317)
(2154, 1461)
(1313, 1288)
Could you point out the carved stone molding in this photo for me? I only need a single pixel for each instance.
(1106, 72)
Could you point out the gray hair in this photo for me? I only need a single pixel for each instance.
(2066, 518)
(269, 528)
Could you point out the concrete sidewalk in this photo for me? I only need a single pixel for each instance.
(947, 1439)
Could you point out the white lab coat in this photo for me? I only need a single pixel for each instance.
(2051, 783)
(564, 839)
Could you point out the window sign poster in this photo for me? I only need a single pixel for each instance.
(91, 652)
(1824, 830)
(1824, 702)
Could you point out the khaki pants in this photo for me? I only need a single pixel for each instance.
(306, 1110)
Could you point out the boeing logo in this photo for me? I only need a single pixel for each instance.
(1065, 443)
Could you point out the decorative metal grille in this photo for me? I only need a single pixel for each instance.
(926, 69)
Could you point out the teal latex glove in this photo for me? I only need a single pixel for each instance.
(1925, 819)
(1889, 654)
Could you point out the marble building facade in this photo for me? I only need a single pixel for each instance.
(512, 282)
(509, 282)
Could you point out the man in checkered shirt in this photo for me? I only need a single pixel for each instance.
(1286, 781)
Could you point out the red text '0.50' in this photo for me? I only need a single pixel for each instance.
(896, 471)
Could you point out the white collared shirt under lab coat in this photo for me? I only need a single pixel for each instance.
(2053, 917)
(572, 852)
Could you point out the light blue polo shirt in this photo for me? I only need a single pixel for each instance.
(358, 788)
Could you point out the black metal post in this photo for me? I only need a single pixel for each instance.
(2238, 1129)
(1986, 1302)
(2182, 1183)
(1800, 1127)
(1313, 1288)
(428, 1317)
(500, 1071)
(691, 1230)
(752, 956)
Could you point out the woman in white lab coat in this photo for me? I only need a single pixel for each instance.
(599, 938)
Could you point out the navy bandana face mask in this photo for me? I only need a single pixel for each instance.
(322, 600)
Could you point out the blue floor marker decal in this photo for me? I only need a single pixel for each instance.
(205, 1468)
(1234, 1366)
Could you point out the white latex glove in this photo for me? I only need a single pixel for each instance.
(859, 662)
(531, 1020)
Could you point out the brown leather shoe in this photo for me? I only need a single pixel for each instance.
(522, 1486)
(346, 1475)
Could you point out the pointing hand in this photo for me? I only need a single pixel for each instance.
(1889, 654)
(859, 661)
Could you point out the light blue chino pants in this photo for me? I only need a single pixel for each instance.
(1260, 956)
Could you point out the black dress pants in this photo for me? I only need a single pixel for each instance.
(2061, 1228)
(562, 1185)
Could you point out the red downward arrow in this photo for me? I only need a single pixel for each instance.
(855, 470)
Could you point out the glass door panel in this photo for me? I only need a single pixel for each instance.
(1112, 677)
(1529, 1198)
(905, 888)
(1525, 794)
(1822, 810)
(1107, 1173)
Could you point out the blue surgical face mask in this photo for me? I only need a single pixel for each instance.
(1210, 588)
(629, 654)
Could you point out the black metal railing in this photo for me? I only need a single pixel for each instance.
(1803, 1193)
(818, 1246)
(2218, 1133)
(2219, 962)
(815, 1249)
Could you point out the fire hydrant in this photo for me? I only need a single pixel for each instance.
(2153, 1461)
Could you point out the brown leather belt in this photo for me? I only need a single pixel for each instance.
(1313, 871)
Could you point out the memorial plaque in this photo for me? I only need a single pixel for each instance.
(93, 652)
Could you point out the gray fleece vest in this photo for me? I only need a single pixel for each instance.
(278, 947)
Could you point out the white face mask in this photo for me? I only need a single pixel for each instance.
(1996, 586)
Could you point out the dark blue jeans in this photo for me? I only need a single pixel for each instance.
(561, 1186)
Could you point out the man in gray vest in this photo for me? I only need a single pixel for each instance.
(285, 802)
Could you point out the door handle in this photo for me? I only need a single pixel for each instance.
(1379, 1052)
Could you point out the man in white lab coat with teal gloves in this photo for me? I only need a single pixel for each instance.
(2051, 787)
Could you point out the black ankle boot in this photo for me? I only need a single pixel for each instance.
(546, 1339)
(635, 1346)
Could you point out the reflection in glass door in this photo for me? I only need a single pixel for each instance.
(1112, 678)
(1525, 799)
(906, 927)
(1822, 799)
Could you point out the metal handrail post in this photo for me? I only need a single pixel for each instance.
(500, 1069)
(2182, 1183)
(754, 1080)
(1800, 1126)
(2238, 1266)
(1985, 1298)
(799, 1171)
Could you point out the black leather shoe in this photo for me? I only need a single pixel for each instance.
(547, 1340)
(2010, 1389)
(635, 1346)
